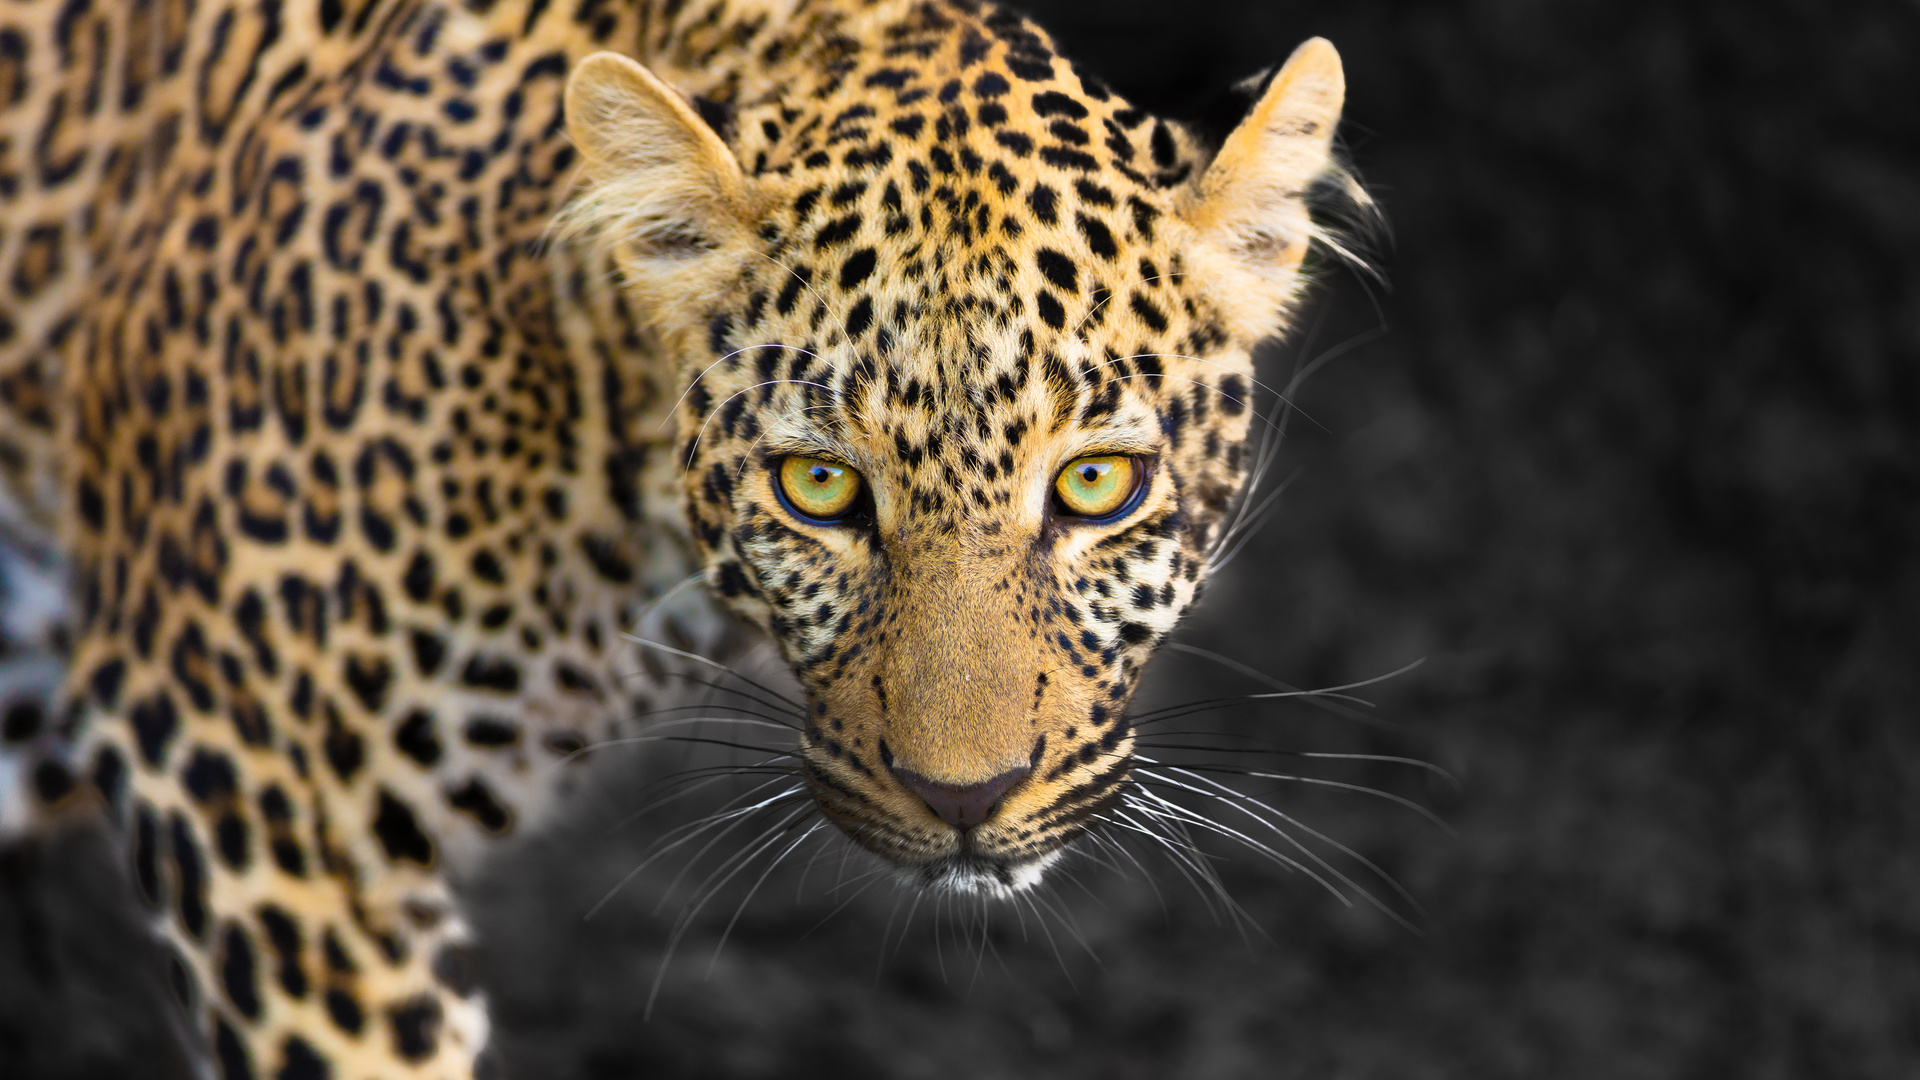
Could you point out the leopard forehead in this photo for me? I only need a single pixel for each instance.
(902, 359)
(961, 242)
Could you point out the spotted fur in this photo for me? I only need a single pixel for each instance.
(373, 363)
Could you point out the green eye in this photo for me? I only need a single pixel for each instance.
(817, 488)
(1097, 486)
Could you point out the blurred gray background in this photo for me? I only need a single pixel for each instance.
(1627, 453)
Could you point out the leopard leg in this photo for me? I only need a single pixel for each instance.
(33, 635)
(293, 953)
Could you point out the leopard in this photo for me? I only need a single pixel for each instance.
(370, 369)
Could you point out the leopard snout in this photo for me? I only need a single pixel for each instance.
(962, 805)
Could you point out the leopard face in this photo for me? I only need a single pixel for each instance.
(965, 342)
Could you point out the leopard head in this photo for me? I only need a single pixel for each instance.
(967, 382)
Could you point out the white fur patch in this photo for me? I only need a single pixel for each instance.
(976, 879)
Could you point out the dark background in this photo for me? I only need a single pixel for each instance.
(1626, 452)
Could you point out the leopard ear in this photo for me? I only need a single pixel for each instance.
(663, 191)
(1249, 208)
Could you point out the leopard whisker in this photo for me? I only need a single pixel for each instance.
(804, 283)
(639, 621)
(689, 781)
(695, 381)
(840, 875)
(703, 740)
(761, 880)
(717, 665)
(1227, 794)
(1390, 759)
(1211, 363)
(1271, 445)
(1100, 859)
(1187, 856)
(1205, 706)
(1201, 706)
(1336, 691)
(1154, 803)
(886, 932)
(1269, 506)
(646, 738)
(661, 848)
(1240, 801)
(872, 877)
(1113, 844)
(1269, 747)
(694, 448)
(1259, 742)
(1044, 894)
(1257, 774)
(747, 458)
(1365, 337)
(750, 720)
(1316, 698)
(739, 861)
(800, 887)
(758, 719)
(938, 917)
(1195, 382)
(1104, 300)
(1107, 843)
(986, 943)
(1121, 821)
(738, 817)
(1273, 440)
(1021, 920)
(1066, 873)
(733, 864)
(1052, 942)
(905, 925)
(635, 740)
(1392, 882)
(711, 684)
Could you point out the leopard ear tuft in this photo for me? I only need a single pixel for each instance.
(1249, 209)
(662, 191)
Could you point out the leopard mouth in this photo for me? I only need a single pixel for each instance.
(941, 859)
(998, 857)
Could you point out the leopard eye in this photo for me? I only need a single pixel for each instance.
(817, 488)
(1098, 486)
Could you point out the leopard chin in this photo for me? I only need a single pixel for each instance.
(976, 875)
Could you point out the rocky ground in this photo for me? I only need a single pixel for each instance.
(1627, 452)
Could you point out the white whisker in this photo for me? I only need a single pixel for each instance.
(695, 381)
(697, 658)
(1312, 697)
(693, 830)
(703, 894)
(761, 880)
(694, 447)
(1239, 801)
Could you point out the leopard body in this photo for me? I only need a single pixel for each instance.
(373, 366)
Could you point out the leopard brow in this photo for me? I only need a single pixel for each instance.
(1114, 439)
(807, 441)
(1111, 446)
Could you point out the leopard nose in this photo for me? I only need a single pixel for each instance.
(963, 805)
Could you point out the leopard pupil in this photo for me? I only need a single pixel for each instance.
(1089, 474)
(820, 475)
